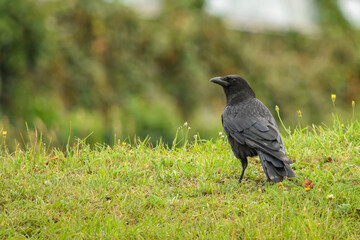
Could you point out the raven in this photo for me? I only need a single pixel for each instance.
(252, 130)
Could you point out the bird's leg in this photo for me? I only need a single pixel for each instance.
(242, 174)
(244, 164)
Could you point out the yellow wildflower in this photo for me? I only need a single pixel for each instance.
(299, 113)
(277, 109)
(333, 97)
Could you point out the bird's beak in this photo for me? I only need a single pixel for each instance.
(218, 80)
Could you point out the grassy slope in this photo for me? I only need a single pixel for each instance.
(139, 192)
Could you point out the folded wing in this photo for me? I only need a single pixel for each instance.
(260, 134)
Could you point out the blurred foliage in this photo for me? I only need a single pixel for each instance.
(85, 66)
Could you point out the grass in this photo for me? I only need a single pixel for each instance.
(135, 191)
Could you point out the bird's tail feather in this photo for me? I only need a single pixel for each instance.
(274, 168)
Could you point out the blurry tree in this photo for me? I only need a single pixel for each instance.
(21, 34)
(100, 66)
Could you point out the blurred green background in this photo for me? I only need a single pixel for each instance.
(101, 67)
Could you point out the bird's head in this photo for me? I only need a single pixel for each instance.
(235, 88)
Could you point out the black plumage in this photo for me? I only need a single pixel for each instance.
(252, 130)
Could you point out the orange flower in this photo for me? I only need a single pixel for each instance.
(308, 184)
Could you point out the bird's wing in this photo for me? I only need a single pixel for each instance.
(260, 134)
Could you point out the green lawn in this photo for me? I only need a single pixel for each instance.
(135, 191)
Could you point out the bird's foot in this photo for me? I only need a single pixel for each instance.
(262, 184)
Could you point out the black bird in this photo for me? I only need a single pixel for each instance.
(252, 130)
